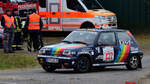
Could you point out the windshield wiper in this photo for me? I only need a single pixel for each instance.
(79, 42)
(66, 41)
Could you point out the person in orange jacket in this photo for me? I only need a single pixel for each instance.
(32, 30)
(8, 24)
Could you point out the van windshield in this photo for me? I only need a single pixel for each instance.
(19, 1)
(92, 4)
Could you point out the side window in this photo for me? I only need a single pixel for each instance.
(42, 3)
(74, 5)
(124, 38)
(107, 38)
(4, 1)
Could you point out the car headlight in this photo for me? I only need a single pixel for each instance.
(69, 52)
(41, 51)
(114, 19)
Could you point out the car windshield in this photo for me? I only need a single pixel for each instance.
(92, 4)
(18, 1)
(84, 37)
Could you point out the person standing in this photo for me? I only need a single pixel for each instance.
(33, 28)
(18, 39)
(8, 24)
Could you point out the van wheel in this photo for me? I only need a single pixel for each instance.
(133, 63)
(83, 65)
(48, 68)
(87, 26)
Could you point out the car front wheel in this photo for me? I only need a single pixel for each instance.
(133, 63)
(83, 65)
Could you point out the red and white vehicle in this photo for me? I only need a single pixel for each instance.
(69, 15)
(25, 7)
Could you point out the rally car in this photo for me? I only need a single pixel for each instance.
(87, 48)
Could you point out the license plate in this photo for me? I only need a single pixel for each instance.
(51, 60)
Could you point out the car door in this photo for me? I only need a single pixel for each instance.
(125, 42)
(106, 47)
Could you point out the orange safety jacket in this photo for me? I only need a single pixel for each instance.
(9, 21)
(34, 22)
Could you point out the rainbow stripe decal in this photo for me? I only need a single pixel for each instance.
(123, 53)
(58, 50)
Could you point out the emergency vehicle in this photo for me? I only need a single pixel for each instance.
(25, 7)
(84, 49)
(68, 15)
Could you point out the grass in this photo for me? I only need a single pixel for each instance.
(23, 59)
(144, 42)
(17, 60)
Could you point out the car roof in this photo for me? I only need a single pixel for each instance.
(100, 30)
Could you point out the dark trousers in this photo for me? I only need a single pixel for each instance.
(8, 41)
(34, 39)
(18, 41)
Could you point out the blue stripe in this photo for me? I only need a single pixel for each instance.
(119, 53)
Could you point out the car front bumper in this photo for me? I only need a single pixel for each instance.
(63, 62)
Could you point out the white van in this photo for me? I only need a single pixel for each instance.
(68, 15)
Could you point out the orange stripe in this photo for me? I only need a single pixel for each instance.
(97, 25)
(67, 25)
(66, 15)
(71, 25)
(64, 25)
(49, 30)
(101, 13)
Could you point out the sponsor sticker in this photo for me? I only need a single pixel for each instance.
(108, 53)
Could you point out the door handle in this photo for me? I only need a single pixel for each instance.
(67, 13)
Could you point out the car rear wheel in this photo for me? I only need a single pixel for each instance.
(133, 63)
(83, 65)
(48, 68)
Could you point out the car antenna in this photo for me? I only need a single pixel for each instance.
(99, 4)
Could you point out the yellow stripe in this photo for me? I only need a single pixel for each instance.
(122, 53)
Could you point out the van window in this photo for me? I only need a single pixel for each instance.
(107, 38)
(124, 38)
(74, 5)
(4, 1)
(92, 4)
(42, 3)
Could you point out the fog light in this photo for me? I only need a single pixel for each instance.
(41, 61)
(66, 63)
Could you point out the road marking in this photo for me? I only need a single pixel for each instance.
(7, 83)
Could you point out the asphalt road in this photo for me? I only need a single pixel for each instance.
(110, 75)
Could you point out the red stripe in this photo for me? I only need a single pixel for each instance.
(62, 49)
(126, 53)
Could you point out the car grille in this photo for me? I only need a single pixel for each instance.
(51, 53)
(111, 19)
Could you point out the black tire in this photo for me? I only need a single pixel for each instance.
(133, 63)
(102, 67)
(48, 68)
(87, 26)
(83, 64)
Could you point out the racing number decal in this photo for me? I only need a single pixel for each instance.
(108, 53)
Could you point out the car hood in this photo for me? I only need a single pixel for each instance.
(57, 49)
(102, 12)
